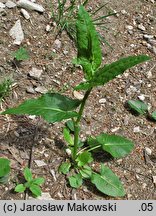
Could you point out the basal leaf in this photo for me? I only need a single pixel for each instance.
(110, 71)
(38, 181)
(67, 136)
(84, 158)
(138, 106)
(36, 190)
(153, 115)
(75, 181)
(107, 182)
(89, 51)
(4, 167)
(27, 174)
(52, 107)
(64, 168)
(86, 172)
(20, 188)
(117, 146)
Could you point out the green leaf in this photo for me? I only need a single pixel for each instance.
(117, 146)
(107, 182)
(4, 167)
(20, 188)
(38, 181)
(86, 172)
(70, 125)
(110, 71)
(89, 51)
(75, 180)
(27, 174)
(64, 168)
(21, 54)
(84, 158)
(36, 190)
(138, 106)
(4, 179)
(52, 107)
(67, 136)
(153, 115)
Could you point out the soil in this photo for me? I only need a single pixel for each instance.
(53, 53)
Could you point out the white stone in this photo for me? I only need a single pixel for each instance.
(30, 5)
(141, 97)
(35, 73)
(10, 4)
(57, 43)
(48, 28)
(115, 129)
(68, 151)
(102, 101)
(148, 151)
(2, 5)
(41, 89)
(40, 163)
(136, 129)
(25, 14)
(154, 180)
(129, 27)
(123, 12)
(148, 37)
(77, 95)
(141, 27)
(16, 33)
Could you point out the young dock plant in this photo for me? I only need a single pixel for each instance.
(33, 184)
(55, 107)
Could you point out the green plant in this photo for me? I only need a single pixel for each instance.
(4, 170)
(33, 184)
(55, 107)
(141, 108)
(21, 54)
(5, 86)
(66, 16)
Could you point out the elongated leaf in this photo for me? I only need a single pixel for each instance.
(107, 182)
(75, 180)
(27, 174)
(67, 136)
(116, 145)
(20, 188)
(70, 125)
(52, 107)
(4, 167)
(36, 190)
(138, 106)
(153, 115)
(38, 181)
(84, 158)
(89, 51)
(110, 71)
(64, 168)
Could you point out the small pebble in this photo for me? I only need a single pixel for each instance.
(25, 14)
(10, 4)
(141, 97)
(30, 90)
(57, 44)
(102, 101)
(48, 28)
(41, 89)
(154, 180)
(78, 95)
(40, 163)
(2, 5)
(136, 129)
(141, 27)
(148, 151)
(35, 73)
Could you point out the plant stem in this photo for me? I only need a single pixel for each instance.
(76, 123)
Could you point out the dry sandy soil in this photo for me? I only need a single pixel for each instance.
(19, 133)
